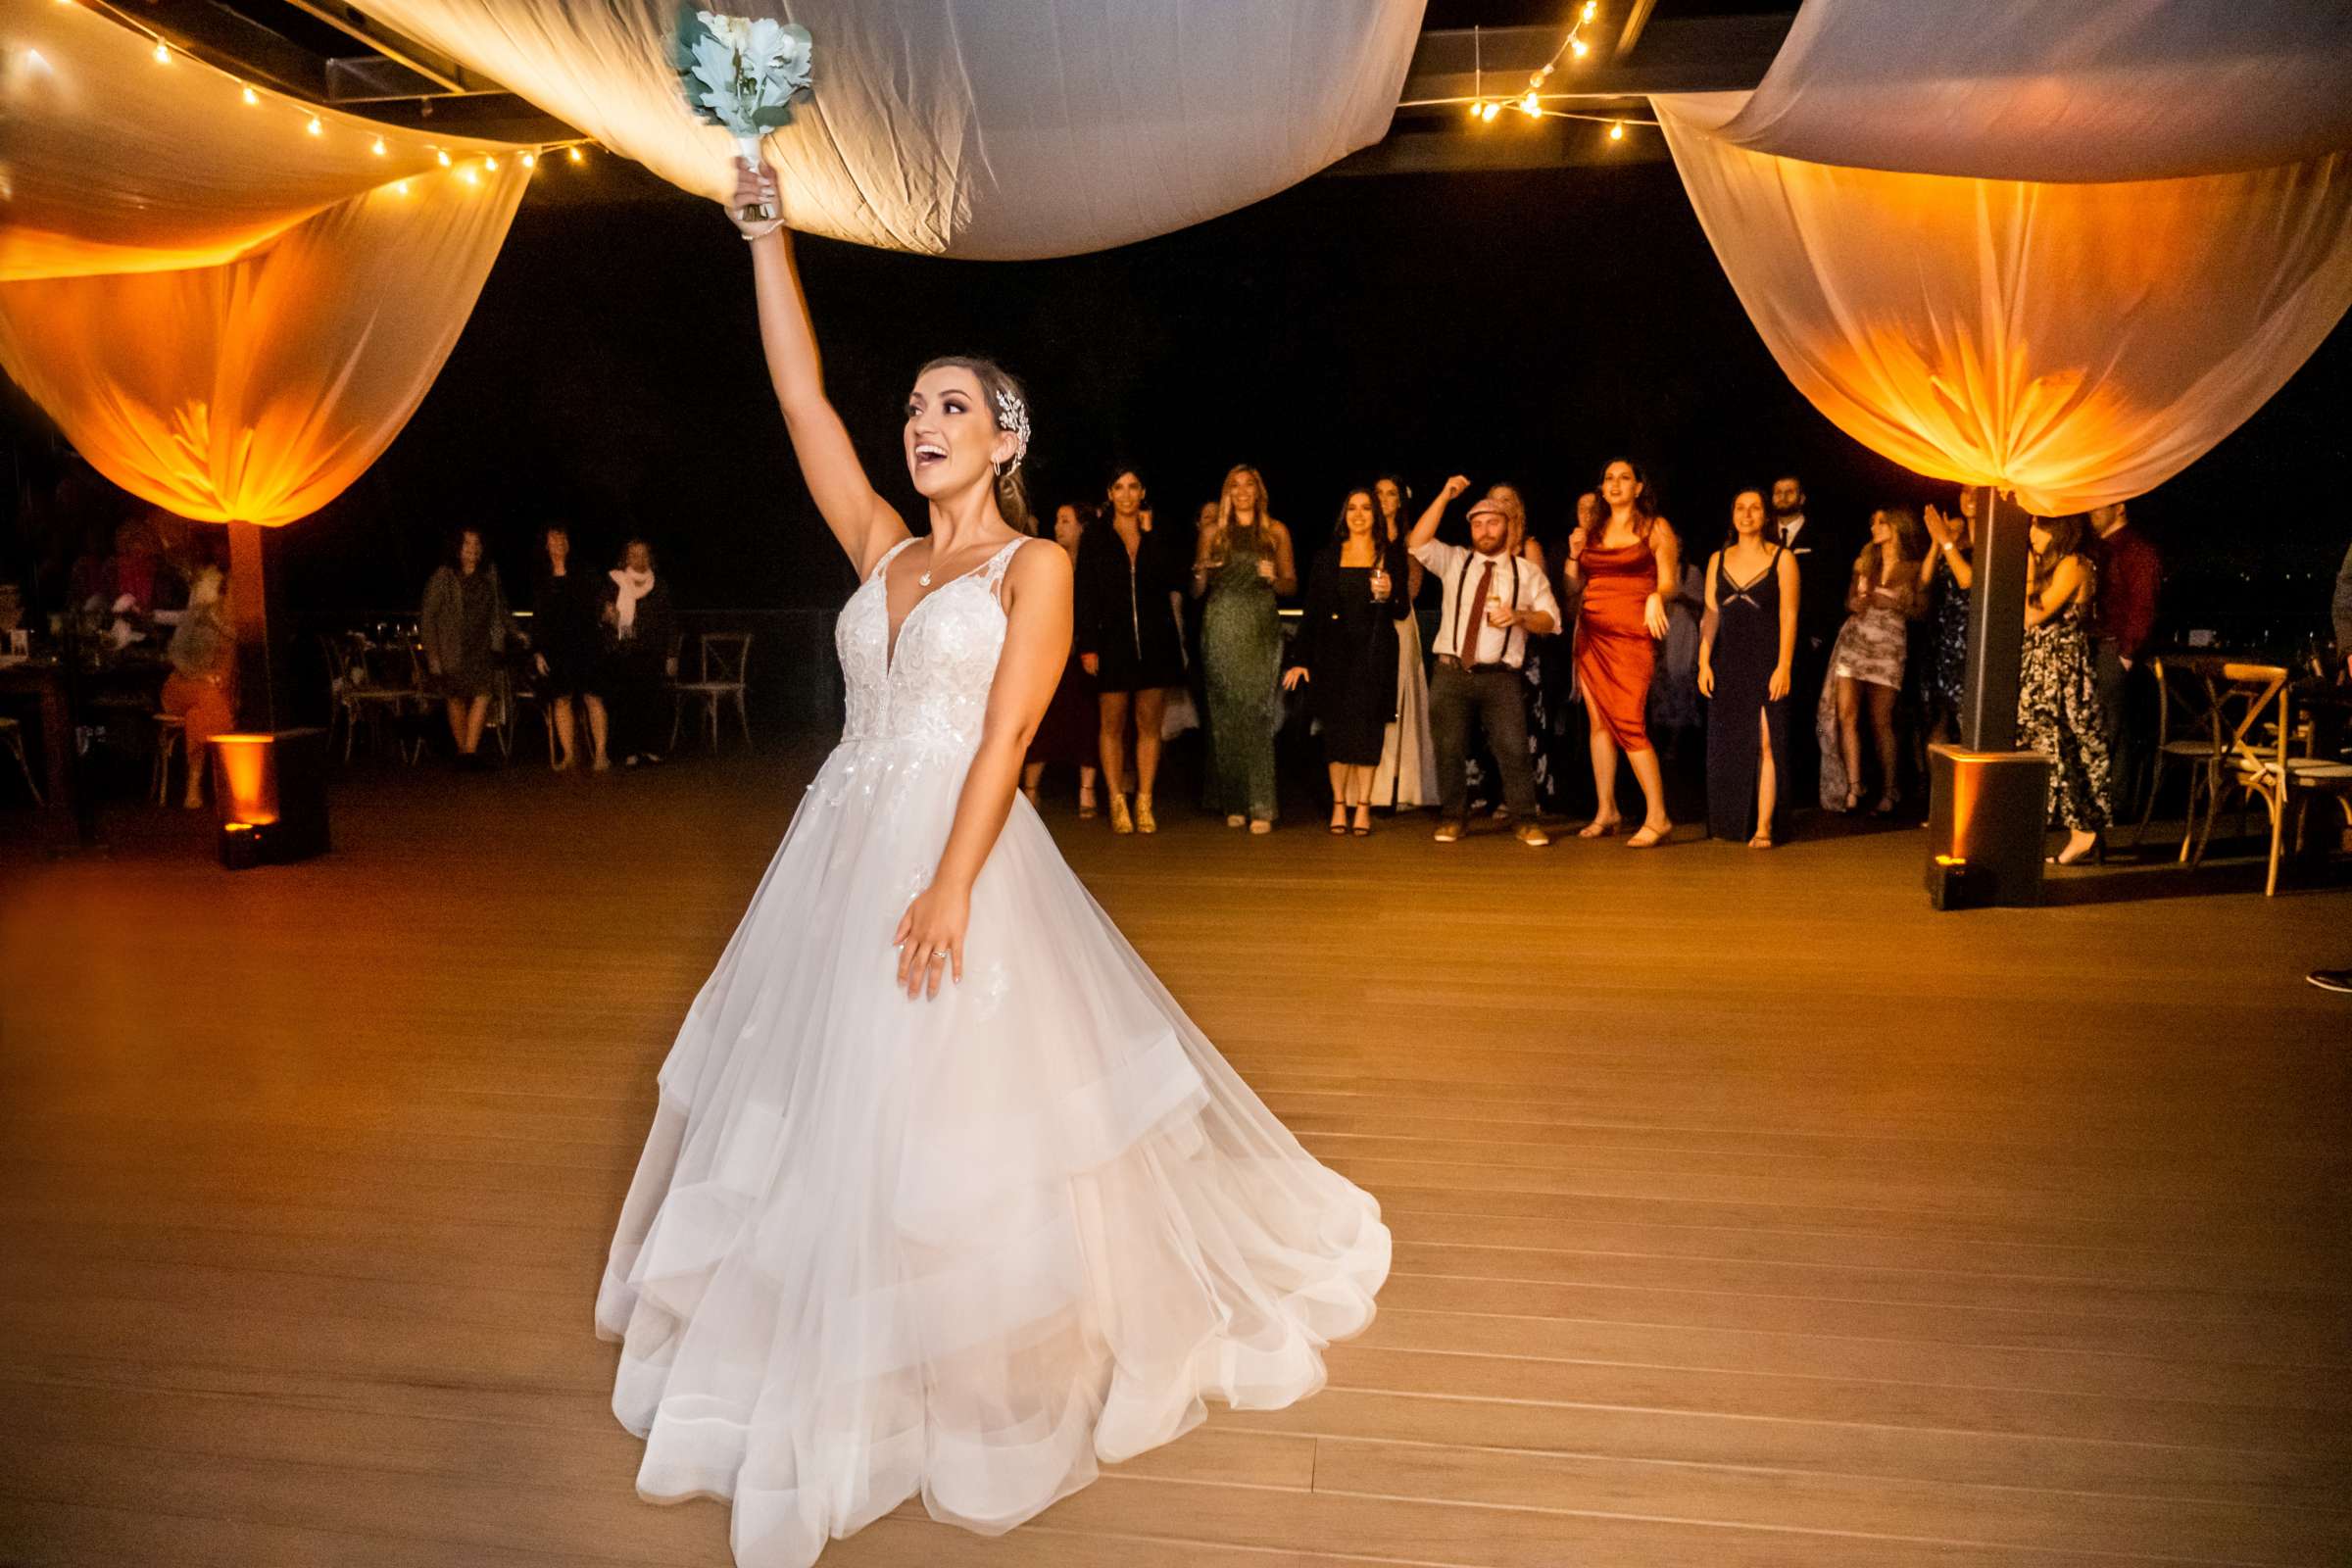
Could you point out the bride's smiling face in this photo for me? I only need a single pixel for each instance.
(952, 437)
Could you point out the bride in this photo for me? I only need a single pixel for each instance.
(943, 1193)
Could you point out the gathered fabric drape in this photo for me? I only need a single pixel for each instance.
(2056, 90)
(228, 313)
(2074, 342)
(977, 127)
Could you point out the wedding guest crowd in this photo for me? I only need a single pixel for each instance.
(1651, 646)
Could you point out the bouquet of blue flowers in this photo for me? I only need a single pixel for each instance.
(743, 74)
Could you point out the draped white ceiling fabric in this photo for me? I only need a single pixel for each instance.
(2074, 341)
(994, 130)
(229, 313)
(2051, 90)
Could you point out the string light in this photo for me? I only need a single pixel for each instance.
(1617, 130)
(578, 157)
(316, 128)
(162, 53)
(531, 159)
(399, 187)
(444, 157)
(1483, 110)
(250, 97)
(491, 164)
(469, 176)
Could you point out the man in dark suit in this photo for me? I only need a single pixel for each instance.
(1821, 609)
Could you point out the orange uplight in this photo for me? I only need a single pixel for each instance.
(248, 781)
(1951, 859)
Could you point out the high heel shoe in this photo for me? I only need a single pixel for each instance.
(1597, 828)
(1887, 804)
(1086, 799)
(1121, 822)
(2095, 853)
(1144, 822)
(1338, 819)
(1363, 820)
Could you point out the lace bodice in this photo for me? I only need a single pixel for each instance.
(934, 687)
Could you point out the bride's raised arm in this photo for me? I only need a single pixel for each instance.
(865, 524)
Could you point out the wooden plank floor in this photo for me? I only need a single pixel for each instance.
(1760, 1216)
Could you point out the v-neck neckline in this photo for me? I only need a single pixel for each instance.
(1752, 583)
(892, 634)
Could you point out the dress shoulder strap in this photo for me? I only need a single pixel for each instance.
(992, 575)
(889, 556)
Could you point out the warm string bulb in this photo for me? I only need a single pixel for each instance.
(378, 148)
(1531, 106)
(444, 157)
(490, 164)
(162, 53)
(1617, 130)
(316, 128)
(531, 159)
(578, 157)
(469, 176)
(250, 97)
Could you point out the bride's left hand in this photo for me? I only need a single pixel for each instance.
(930, 939)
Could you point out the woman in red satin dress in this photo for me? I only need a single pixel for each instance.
(1628, 571)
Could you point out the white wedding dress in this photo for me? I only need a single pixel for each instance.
(965, 1247)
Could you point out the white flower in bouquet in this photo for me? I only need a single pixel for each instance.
(742, 73)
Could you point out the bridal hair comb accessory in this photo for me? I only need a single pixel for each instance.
(1013, 415)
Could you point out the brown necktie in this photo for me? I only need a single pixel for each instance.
(1474, 620)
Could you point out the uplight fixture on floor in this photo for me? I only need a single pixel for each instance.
(272, 789)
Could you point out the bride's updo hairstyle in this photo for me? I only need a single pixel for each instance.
(1000, 387)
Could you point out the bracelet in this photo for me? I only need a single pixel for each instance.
(750, 235)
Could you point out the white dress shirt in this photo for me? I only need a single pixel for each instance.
(1517, 584)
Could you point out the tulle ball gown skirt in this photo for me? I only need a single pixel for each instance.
(966, 1247)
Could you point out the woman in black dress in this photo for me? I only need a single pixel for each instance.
(1346, 651)
(1129, 633)
(1744, 660)
(565, 609)
(641, 629)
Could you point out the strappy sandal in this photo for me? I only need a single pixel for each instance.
(1599, 829)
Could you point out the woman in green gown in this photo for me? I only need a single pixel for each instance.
(1244, 563)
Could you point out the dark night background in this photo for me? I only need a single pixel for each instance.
(1523, 326)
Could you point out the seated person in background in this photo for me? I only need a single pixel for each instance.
(201, 689)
